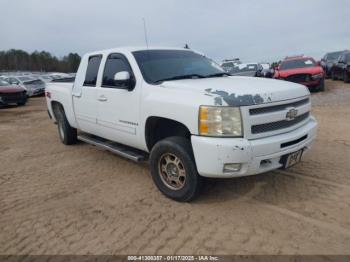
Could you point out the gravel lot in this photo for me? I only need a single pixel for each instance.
(57, 199)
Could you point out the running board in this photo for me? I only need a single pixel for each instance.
(116, 148)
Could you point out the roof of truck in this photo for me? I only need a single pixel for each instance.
(138, 48)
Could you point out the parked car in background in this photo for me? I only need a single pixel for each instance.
(12, 94)
(341, 70)
(329, 60)
(247, 69)
(34, 87)
(266, 71)
(45, 78)
(303, 70)
(229, 64)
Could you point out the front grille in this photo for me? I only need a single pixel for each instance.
(298, 78)
(12, 97)
(269, 109)
(268, 127)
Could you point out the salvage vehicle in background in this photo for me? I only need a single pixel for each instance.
(341, 70)
(45, 78)
(12, 94)
(229, 64)
(183, 112)
(34, 87)
(302, 70)
(328, 61)
(266, 71)
(247, 69)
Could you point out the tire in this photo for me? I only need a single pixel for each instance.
(23, 102)
(320, 87)
(346, 78)
(174, 155)
(67, 134)
(333, 75)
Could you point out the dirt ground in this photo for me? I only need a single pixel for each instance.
(57, 199)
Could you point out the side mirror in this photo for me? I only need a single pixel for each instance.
(318, 63)
(124, 79)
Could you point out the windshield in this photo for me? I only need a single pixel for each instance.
(229, 64)
(244, 68)
(300, 63)
(158, 65)
(3, 83)
(265, 66)
(334, 55)
(25, 78)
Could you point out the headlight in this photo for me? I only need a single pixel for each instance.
(220, 121)
(318, 76)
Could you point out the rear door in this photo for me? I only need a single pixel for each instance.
(118, 109)
(85, 97)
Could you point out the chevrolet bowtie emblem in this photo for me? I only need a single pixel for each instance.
(291, 114)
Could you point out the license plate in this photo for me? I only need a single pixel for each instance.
(292, 159)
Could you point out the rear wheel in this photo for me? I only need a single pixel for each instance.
(321, 86)
(333, 75)
(173, 169)
(67, 134)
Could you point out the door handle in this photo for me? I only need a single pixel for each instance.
(102, 98)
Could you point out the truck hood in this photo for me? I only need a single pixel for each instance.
(307, 70)
(239, 90)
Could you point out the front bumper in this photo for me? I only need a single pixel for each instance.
(255, 156)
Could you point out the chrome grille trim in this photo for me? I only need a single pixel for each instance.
(269, 109)
(272, 112)
(268, 127)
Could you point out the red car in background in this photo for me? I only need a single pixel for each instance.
(303, 70)
(12, 94)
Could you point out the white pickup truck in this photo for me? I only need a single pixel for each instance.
(183, 113)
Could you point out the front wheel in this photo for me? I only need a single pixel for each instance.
(174, 170)
(321, 86)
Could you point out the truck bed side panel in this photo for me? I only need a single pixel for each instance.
(62, 93)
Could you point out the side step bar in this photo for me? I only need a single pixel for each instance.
(116, 148)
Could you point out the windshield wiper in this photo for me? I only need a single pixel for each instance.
(218, 75)
(180, 77)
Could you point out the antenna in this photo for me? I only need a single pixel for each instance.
(145, 30)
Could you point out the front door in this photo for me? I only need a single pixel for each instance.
(118, 109)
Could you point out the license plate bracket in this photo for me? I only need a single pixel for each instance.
(291, 159)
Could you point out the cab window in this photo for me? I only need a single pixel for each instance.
(115, 63)
(92, 70)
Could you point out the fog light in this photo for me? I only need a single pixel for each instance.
(233, 167)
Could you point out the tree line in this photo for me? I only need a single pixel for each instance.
(19, 60)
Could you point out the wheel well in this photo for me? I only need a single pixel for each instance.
(55, 107)
(158, 128)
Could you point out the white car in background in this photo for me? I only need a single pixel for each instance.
(229, 64)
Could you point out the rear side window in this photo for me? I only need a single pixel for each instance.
(115, 63)
(92, 70)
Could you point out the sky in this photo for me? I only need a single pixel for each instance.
(253, 30)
